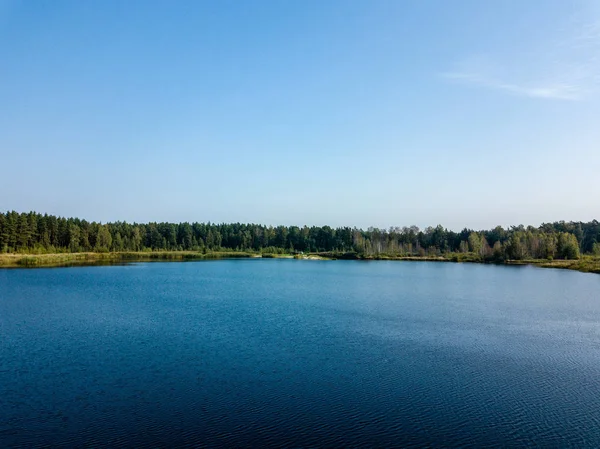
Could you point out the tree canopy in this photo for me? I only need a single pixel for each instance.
(36, 233)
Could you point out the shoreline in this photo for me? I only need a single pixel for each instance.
(586, 264)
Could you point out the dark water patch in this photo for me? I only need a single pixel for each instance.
(280, 353)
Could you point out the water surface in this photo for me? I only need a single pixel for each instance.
(299, 353)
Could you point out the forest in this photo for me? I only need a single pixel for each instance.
(34, 233)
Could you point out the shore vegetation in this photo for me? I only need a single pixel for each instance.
(32, 239)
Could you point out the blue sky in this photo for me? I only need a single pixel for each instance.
(366, 113)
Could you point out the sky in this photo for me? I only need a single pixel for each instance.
(362, 113)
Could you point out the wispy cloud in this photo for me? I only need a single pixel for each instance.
(566, 69)
(558, 91)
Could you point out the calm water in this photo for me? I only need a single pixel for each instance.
(299, 353)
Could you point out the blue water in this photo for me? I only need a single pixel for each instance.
(299, 353)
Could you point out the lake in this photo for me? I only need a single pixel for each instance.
(299, 353)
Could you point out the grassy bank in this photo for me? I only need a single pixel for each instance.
(69, 259)
(586, 264)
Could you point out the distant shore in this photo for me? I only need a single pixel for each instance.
(92, 258)
(587, 264)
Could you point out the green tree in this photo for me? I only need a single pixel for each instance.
(515, 247)
(103, 239)
(74, 238)
(23, 231)
(3, 234)
(11, 233)
(548, 246)
(136, 239)
(568, 247)
(475, 242)
(498, 251)
(117, 242)
(186, 235)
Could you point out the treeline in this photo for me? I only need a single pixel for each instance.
(36, 233)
